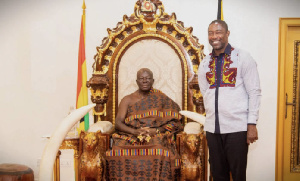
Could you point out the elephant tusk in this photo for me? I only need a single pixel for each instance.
(194, 116)
(52, 147)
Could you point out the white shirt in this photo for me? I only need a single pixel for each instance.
(238, 95)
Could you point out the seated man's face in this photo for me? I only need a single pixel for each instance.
(144, 81)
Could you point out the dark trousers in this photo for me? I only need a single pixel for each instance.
(228, 153)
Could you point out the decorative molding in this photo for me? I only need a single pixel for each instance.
(193, 157)
(197, 97)
(295, 149)
(99, 85)
(70, 144)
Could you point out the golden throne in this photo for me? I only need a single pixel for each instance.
(153, 39)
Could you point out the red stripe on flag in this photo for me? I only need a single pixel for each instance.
(81, 59)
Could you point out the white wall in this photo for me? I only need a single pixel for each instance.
(39, 48)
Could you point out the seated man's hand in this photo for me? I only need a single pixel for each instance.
(140, 131)
(149, 131)
(145, 131)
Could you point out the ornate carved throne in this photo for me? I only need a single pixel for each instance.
(152, 39)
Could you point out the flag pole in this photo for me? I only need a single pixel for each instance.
(83, 19)
(220, 10)
(82, 92)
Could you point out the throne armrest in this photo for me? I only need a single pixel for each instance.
(191, 145)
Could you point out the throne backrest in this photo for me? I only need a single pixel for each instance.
(149, 38)
(161, 59)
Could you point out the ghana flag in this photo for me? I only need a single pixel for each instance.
(220, 10)
(82, 93)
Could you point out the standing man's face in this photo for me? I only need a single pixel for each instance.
(218, 37)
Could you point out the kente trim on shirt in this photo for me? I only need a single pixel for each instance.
(227, 74)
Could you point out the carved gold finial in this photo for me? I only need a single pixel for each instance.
(83, 5)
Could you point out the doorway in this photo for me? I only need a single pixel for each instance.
(287, 146)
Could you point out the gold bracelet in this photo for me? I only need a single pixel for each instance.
(157, 131)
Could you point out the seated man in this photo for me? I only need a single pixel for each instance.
(144, 144)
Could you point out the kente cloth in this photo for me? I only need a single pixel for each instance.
(134, 159)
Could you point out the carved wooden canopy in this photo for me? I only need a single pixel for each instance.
(149, 21)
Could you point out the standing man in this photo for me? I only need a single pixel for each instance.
(229, 82)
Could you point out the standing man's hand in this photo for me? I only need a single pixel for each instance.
(252, 135)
